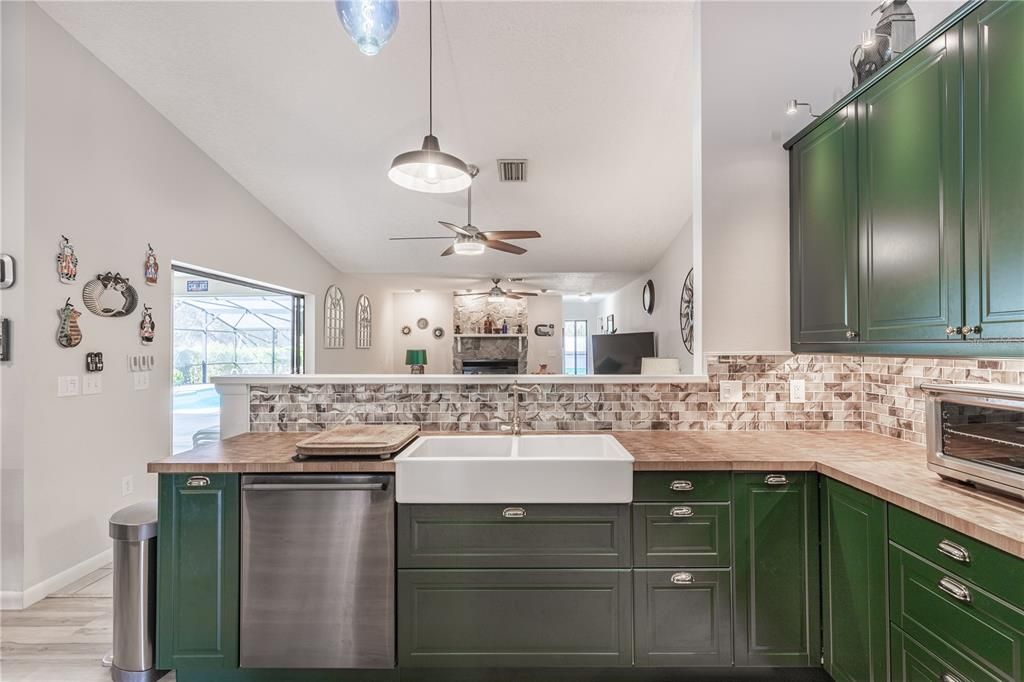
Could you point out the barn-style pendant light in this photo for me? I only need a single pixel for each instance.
(428, 169)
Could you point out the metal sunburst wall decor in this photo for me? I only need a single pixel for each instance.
(686, 312)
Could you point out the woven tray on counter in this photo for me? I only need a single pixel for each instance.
(350, 440)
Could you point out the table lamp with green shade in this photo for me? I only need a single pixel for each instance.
(416, 359)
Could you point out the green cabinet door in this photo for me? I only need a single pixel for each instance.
(778, 605)
(197, 571)
(910, 192)
(823, 232)
(853, 585)
(994, 163)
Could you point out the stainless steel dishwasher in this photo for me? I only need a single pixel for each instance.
(318, 571)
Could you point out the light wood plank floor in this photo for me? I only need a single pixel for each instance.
(62, 638)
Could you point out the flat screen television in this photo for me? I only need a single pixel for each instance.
(621, 353)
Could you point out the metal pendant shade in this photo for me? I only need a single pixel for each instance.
(428, 169)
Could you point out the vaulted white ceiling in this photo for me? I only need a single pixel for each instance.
(597, 95)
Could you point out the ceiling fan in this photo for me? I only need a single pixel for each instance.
(496, 293)
(471, 241)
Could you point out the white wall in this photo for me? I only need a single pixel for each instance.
(436, 307)
(104, 168)
(544, 309)
(754, 57)
(668, 276)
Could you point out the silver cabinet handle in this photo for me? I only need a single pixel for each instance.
(197, 482)
(775, 479)
(967, 331)
(955, 590)
(680, 512)
(680, 486)
(851, 334)
(513, 512)
(949, 677)
(954, 551)
(682, 578)
(952, 330)
(314, 487)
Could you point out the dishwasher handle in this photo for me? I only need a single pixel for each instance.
(315, 483)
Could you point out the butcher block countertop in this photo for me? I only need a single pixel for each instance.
(891, 469)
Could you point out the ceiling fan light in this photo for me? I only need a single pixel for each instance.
(495, 298)
(430, 170)
(468, 246)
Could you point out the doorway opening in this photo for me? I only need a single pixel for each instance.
(226, 326)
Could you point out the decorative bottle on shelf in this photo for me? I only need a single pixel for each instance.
(519, 329)
(458, 329)
(504, 326)
(488, 325)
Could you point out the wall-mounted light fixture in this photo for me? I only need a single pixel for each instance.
(794, 106)
(867, 38)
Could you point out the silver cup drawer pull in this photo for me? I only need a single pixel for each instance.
(513, 512)
(681, 486)
(955, 590)
(776, 479)
(954, 551)
(680, 512)
(682, 578)
(198, 482)
(949, 677)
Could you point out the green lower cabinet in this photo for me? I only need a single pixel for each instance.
(778, 604)
(683, 617)
(695, 535)
(854, 616)
(198, 572)
(911, 662)
(515, 618)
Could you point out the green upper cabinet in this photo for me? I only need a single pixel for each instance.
(197, 571)
(823, 262)
(853, 584)
(776, 565)
(910, 198)
(994, 161)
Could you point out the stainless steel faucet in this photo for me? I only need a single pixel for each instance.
(514, 391)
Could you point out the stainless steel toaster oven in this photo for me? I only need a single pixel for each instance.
(976, 434)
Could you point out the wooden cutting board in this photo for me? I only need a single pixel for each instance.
(382, 440)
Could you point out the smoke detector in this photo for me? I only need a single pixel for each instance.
(512, 170)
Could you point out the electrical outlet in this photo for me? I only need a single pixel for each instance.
(92, 384)
(797, 391)
(127, 485)
(67, 386)
(730, 391)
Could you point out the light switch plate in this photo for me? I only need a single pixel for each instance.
(92, 384)
(67, 386)
(797, 391)
(730, 391)
(140, 380)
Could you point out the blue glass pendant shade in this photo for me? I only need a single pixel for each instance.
(370, 23)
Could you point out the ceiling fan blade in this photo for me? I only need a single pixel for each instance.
(401, 239)
(514, 297)
(456, 229)
(523, 293)
(507, 248)
(449, 251)
(511, 234)
(471, 293)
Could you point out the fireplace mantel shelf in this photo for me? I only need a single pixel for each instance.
(459, 337)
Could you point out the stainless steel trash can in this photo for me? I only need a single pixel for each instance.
(134, 532)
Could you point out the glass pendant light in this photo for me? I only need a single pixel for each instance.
(428, 169)
(370, 23)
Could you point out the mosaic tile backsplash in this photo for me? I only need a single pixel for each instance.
(843, 393)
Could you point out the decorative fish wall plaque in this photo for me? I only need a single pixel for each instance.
(67, 261)
(147, 328)
(69, 334)
(110, 295)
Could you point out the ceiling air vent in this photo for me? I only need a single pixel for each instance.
(512, 170)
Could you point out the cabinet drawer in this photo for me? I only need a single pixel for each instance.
(942, 611)
(682, 486)
(683, 617)
(994, 571)
(911, 662)
(513, 536)
(696, 535)
(517, 618)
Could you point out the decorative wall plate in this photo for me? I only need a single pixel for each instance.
(422, 323)
(150, 268)
(648, 297)
(110, 295)
(67, 261)
(406, 330)
(69, 334)
(438, 332)
(686, 312)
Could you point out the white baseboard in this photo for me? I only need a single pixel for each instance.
(13, 601)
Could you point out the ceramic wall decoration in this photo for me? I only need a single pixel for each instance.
(686, 313)
(406, 330)
(151, 269)
(67, 261)
(110, 295)
(438, 332)
(422, 323)
(69, 334)
(147, 328)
